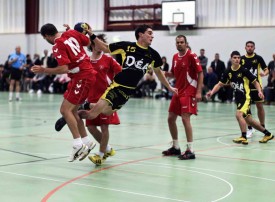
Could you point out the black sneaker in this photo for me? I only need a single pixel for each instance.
(171, 152)
(60, 123)
(187, 155)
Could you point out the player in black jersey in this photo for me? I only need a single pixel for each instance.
(257, 66)
(137, 58)
(241, 79)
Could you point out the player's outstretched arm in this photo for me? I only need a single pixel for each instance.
(164, 81)
(98, 43)
(215, 89)
(57, 70)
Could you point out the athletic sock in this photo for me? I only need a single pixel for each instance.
(266, 133)
(190, 146)
(101, 154)
(86, 106)
(77, 142)
(108, 148)
(86, 140)
(244, 134)
(249, 127)
(176, 144)
(17, 94)
(10, 95)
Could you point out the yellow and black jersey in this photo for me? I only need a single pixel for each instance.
(240, 80)
(135, 62)
(254, 64)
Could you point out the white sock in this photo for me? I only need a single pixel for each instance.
(10, 95)
(101, 154)
(176, 144)
(77, 142)
(108, 148)
(190, 146)
(86, 140)
(17, 94)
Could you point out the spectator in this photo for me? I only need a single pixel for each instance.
(210, 80)
(203, 60)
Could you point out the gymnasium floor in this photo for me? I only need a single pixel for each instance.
(34, 163)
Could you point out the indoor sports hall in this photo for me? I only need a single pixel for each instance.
(34, 155)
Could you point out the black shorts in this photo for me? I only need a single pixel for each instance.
(244, 107)
(16, 74)
(255, 97)
(117, 95)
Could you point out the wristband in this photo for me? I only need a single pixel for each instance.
(92, 37)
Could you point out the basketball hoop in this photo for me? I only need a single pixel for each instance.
(173, 27)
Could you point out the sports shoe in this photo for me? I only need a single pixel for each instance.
(187, 155)
(171, 152)
(10, 99)
(77, 152)
(87, 152)
(96, 159)
(250, 132)
(60, 123)
(112, 152)
(266, 138)
(18, 99)
(240, 140)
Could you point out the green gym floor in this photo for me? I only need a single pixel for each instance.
(34, 163)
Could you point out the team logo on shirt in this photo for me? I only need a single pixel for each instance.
(139, 64)
(239, 75)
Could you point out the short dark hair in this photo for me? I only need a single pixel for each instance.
(249, 42)
(48, 29)
(141, 29)
(235, 53)
(182, 36)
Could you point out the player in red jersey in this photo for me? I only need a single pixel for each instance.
(107, 67)
(188, 73)
(72, 59)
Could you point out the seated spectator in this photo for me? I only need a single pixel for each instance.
(269, 90)
(37, 83)
(148, 85)
(210, 80)
(59, 84)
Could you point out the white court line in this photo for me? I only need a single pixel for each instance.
(98, 187)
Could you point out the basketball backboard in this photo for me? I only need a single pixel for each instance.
(182, 12)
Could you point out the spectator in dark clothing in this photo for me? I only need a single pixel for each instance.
(5, 81)
(203, 60)
(210, 80)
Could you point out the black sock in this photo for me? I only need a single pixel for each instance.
(266, 132)
(244, 134)
(249, 127)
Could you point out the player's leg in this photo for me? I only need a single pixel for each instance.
(255, 124)
(261, 113)
(174, 111)
(242, 124)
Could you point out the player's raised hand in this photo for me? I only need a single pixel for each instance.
(66, 26)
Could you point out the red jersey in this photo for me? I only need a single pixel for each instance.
(185, 69)
(106, 68)
(68, 50)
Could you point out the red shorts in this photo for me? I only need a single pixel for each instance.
(78, 90)
(102, 119)
(179, 105)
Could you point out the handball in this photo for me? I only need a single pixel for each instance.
(81, 27)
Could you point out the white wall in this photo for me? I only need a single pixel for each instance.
(222, 41)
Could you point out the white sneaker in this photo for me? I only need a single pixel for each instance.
(31, 91)
(77, 152)
(39, 92)
(250, 132)
(87, 152)
(10, 99)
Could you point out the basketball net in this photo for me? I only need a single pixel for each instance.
(173, 27)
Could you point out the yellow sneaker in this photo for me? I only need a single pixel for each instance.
(96, 159)
(266, 138)
(112, 152)
(240, 140)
